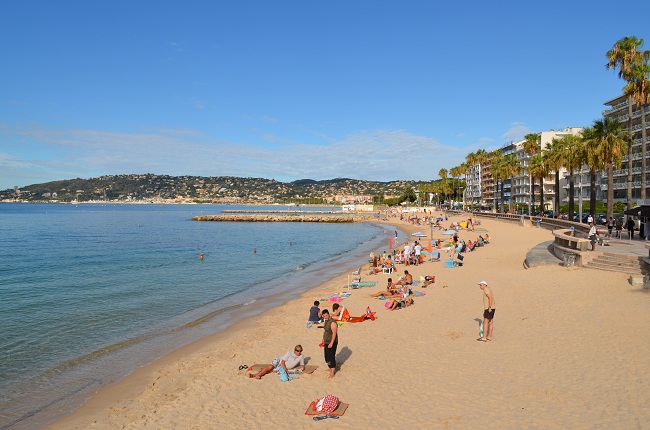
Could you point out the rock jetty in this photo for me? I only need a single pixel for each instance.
(275, 218)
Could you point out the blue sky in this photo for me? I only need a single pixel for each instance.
(378, 90)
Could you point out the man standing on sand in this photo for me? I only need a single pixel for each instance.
(488, 312)
(330, 341)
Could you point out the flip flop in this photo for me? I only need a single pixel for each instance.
(481, 340)
(334, 417)
(321, 417)
(243, 366)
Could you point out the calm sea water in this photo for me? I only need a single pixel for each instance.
(88, 293)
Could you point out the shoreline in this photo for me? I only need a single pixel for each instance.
(198, 386)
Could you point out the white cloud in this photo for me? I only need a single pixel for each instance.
(373, 155)
(516, 132)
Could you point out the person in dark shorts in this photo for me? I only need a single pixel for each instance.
(330, 341)
(488, 311)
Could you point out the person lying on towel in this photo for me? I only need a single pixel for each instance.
(287, 361)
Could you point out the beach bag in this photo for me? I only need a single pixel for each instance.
(327, 404)
(283, 375)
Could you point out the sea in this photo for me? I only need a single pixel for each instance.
(91, 292)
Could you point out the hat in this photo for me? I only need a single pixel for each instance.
(482, 282)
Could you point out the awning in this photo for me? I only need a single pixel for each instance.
(640, 211)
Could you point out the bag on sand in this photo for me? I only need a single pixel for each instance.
(327, 404)
(283, 375)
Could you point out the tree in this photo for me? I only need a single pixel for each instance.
(539, 169)
(570, 152)
(496, 168)
(471, 160)
(532, 146)
(511, 168)
(610, 140)
(482, 158)
(590, 156)
(638, 89)
(554, 162)
(623, 56)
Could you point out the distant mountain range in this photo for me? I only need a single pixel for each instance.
(219, 189)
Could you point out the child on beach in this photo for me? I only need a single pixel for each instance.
(315, 315)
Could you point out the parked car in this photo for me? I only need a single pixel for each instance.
(601, 219)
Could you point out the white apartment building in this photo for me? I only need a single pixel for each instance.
(481, 189)
(619, 110)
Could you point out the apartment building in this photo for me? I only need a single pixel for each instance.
(619, 110)
(483, 191)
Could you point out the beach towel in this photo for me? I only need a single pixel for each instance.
(340, 410)
(362, 284)
(309, 368)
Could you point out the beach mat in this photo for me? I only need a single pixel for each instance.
(309, 368)
(362, 284)
(340, 410)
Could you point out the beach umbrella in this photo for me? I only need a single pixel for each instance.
(449, 232)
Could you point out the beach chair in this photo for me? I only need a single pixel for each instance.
(354, 277)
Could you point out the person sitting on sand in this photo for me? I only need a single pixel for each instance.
(388, 264)
(391, 289)
(339, 313)
(315, 314)
(288, 361)
(399, 304)
(487, 238)
(428, 280)
(407, 279)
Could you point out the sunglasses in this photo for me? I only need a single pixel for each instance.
(297, 350)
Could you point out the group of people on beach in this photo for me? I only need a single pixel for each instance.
(398, 292)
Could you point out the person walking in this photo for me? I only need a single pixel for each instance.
(593, 236)
(488, 312)
(330, 341)
(630, 227)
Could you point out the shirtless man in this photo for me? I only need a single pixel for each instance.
(407, 279)
(488, 313)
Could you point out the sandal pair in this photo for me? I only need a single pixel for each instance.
(324, 417)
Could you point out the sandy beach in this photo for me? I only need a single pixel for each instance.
(569, 351)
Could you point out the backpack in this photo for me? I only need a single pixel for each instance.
(327, 404)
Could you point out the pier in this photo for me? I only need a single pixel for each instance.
(275, 218)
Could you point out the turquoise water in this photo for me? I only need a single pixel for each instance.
(90, 292)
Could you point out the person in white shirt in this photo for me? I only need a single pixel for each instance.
(593, 236)
(290, 360)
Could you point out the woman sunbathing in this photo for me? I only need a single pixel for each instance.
(399, 304)
(391, 289)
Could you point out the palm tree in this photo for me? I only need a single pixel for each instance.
(511, 168)
(482, 158)
(610, 140)
(594, 162)
(624, 55)
(570, 152)
(471, 161)
(539, 169)
(554, 162)
(531, 146)
(638, 89)
(496, 168)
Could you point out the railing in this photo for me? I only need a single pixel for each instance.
(581, 230)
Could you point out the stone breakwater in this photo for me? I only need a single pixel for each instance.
(275, 218)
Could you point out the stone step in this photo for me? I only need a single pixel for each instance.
(617, 268)
(620, 263)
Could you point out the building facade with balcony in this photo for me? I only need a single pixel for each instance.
(482, 189)
(619, 110)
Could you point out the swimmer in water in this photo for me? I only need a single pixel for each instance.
(201, 257)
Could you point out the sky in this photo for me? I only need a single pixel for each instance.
(294, 89)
